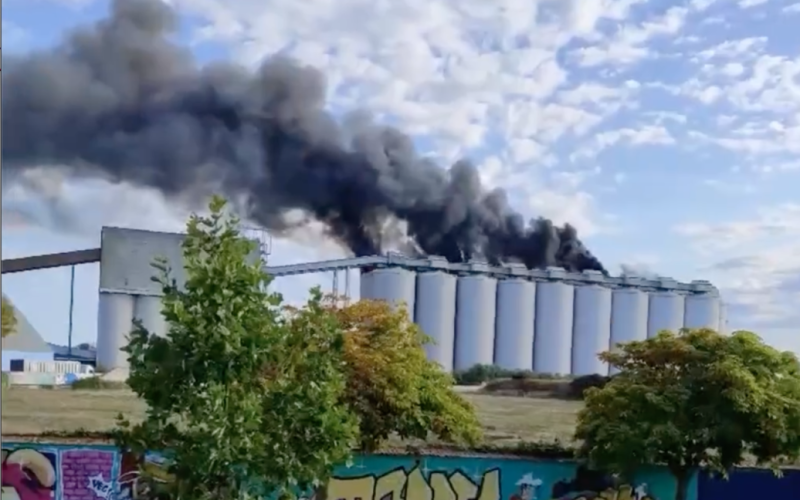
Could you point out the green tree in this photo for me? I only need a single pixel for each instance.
(9, 319)
(391, 385)
(245, 398)
(691, 401)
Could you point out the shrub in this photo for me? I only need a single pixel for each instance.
(578, 387)
(480, 374)
(97, 384)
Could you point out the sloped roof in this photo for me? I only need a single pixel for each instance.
(26, 338)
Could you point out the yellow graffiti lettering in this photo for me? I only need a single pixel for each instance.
(390, 486)
(399, 485)
(417, 488)
(441, 486)
(357, 488)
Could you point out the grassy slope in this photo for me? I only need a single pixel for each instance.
(508, 420)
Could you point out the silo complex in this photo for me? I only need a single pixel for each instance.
(547, 321)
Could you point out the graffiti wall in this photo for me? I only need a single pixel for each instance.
(70, 472)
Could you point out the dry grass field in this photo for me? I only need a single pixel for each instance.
(27, 411)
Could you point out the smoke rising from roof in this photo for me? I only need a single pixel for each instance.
(118, 100)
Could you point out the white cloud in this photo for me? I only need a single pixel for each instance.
(756, 263)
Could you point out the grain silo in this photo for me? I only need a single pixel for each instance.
(591, 332)
(475, 321)
(147, 309)
(394, 285)
(552, 337)
(516, 306)
(665, 312)
(114, 325)
(435, 313)
(701, 309)
(629, 318)
(723, 318)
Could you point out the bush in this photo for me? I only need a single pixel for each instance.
(6, 381)
(97, 384)
(480, 374)
(578, 387)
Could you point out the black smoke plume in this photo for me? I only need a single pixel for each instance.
(119, 100)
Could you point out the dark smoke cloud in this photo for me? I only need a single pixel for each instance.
(119, 100)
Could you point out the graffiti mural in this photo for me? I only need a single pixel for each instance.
(29, 473)
(73, 472)
(435, 478)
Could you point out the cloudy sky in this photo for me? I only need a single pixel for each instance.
(668, 132)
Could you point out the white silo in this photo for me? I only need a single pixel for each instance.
(665, 313)
(435, 313)
(723, 318)
(591, 331)
(552, 339)
(701, 311)
(629, 307)
(114, 325)
(394, 285)
(365, 285)
(147, 309)
(516, 306)
(475, 318)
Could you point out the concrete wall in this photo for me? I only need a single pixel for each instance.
(33, 356)
(36, 471)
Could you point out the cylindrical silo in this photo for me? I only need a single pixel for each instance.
(665, 313)
(516, 306)
(114, 325)
(591, 331)
(147, 309)
(723, 318)
(435, 313)
(552, 339)
(701, 311)
(365, 285)
(475, 318)
(394, 285)
(629, 308)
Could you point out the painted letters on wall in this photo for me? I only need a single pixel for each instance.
(64, 472)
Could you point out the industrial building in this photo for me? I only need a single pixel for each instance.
(548, 321)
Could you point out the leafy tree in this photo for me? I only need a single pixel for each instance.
(9, 319)
(691, 401)
(245, 398)
(392, 386)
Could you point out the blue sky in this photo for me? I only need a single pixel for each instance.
(668, 132)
